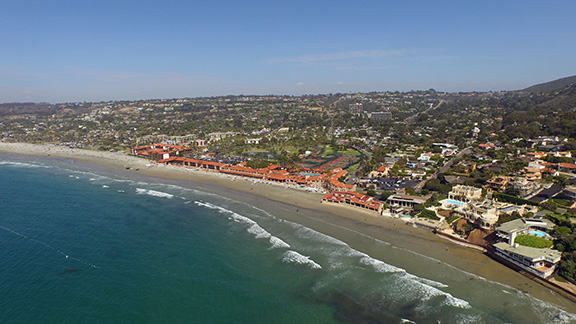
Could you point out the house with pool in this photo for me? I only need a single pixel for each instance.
(524, 226)
(541, 262)
(467, 202)
(465, 193)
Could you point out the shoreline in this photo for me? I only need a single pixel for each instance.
(306, 208)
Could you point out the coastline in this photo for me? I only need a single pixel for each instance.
(306, 208)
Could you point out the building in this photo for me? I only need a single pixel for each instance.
(406, 201)
(216, 136)
(354, 199)
(484, 214)
(356, 108)
(569, 193)
(533, 173)
(498, 183)
(566, 154)
(540, 262)
(509, 230)
(465, 193)
(380, 116)
(201, 143)
(380, 172)
(524, 186)
(253, 141)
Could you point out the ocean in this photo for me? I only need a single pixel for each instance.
(84, 244)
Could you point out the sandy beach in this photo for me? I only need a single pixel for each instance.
(343, 222)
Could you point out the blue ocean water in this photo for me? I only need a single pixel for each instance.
(86, 245)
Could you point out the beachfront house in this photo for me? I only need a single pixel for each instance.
(399, 203)
(541, 262)
(523, 226)
(354, 199)
(485, 214)
(465, 193)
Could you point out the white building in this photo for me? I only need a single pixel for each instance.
(253, 141)
(465, 193)
(541, 262)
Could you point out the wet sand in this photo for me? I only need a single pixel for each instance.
(349, 224)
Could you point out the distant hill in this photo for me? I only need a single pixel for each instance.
(552, 85)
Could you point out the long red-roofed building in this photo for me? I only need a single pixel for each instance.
(169, 154)
(354, 199)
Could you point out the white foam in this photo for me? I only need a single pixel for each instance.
(105, 186)
(380, 266)
(154, 193)
(468, 319)
(295, 257)
(426, 288)
(312, 235)
(253, 227)
(427, 281)
(278, 243)
(159, 194)
(549, 313)
(21, 164)
(427, 292)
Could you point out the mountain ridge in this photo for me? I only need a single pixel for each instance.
(552, 85)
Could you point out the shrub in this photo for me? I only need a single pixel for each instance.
(428, 214)
(512, 199)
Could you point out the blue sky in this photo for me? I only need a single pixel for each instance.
(79, 50)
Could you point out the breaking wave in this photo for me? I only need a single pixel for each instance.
(253, 227)
(154, 193)
(295, 257)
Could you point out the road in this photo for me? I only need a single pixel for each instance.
(411, 118)
(445, 167)
(368, 156)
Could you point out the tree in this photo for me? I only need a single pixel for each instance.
(504, 218)
(548, 205)
(418, 208)
(563, 231)
(385, 194)
(438, 186)
(257, 163)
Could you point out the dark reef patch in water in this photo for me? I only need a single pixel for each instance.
(351, 310)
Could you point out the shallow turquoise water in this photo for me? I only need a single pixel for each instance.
(100, 247)
(538, 233)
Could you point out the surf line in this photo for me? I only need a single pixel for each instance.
(50, 247)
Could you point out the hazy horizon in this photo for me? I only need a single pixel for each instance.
(67, 51)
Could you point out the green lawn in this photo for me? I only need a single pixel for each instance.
(533, 241)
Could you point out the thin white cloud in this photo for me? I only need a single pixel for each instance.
(363, 68)
(342, 56)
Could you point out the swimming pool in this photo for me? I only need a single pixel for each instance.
(538, 233)
(454, 202)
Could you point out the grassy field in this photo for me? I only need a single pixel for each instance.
(328, 149)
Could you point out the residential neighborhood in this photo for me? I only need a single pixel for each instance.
(469, 166)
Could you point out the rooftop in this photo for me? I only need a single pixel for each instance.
(523, 224)
(530, 252)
